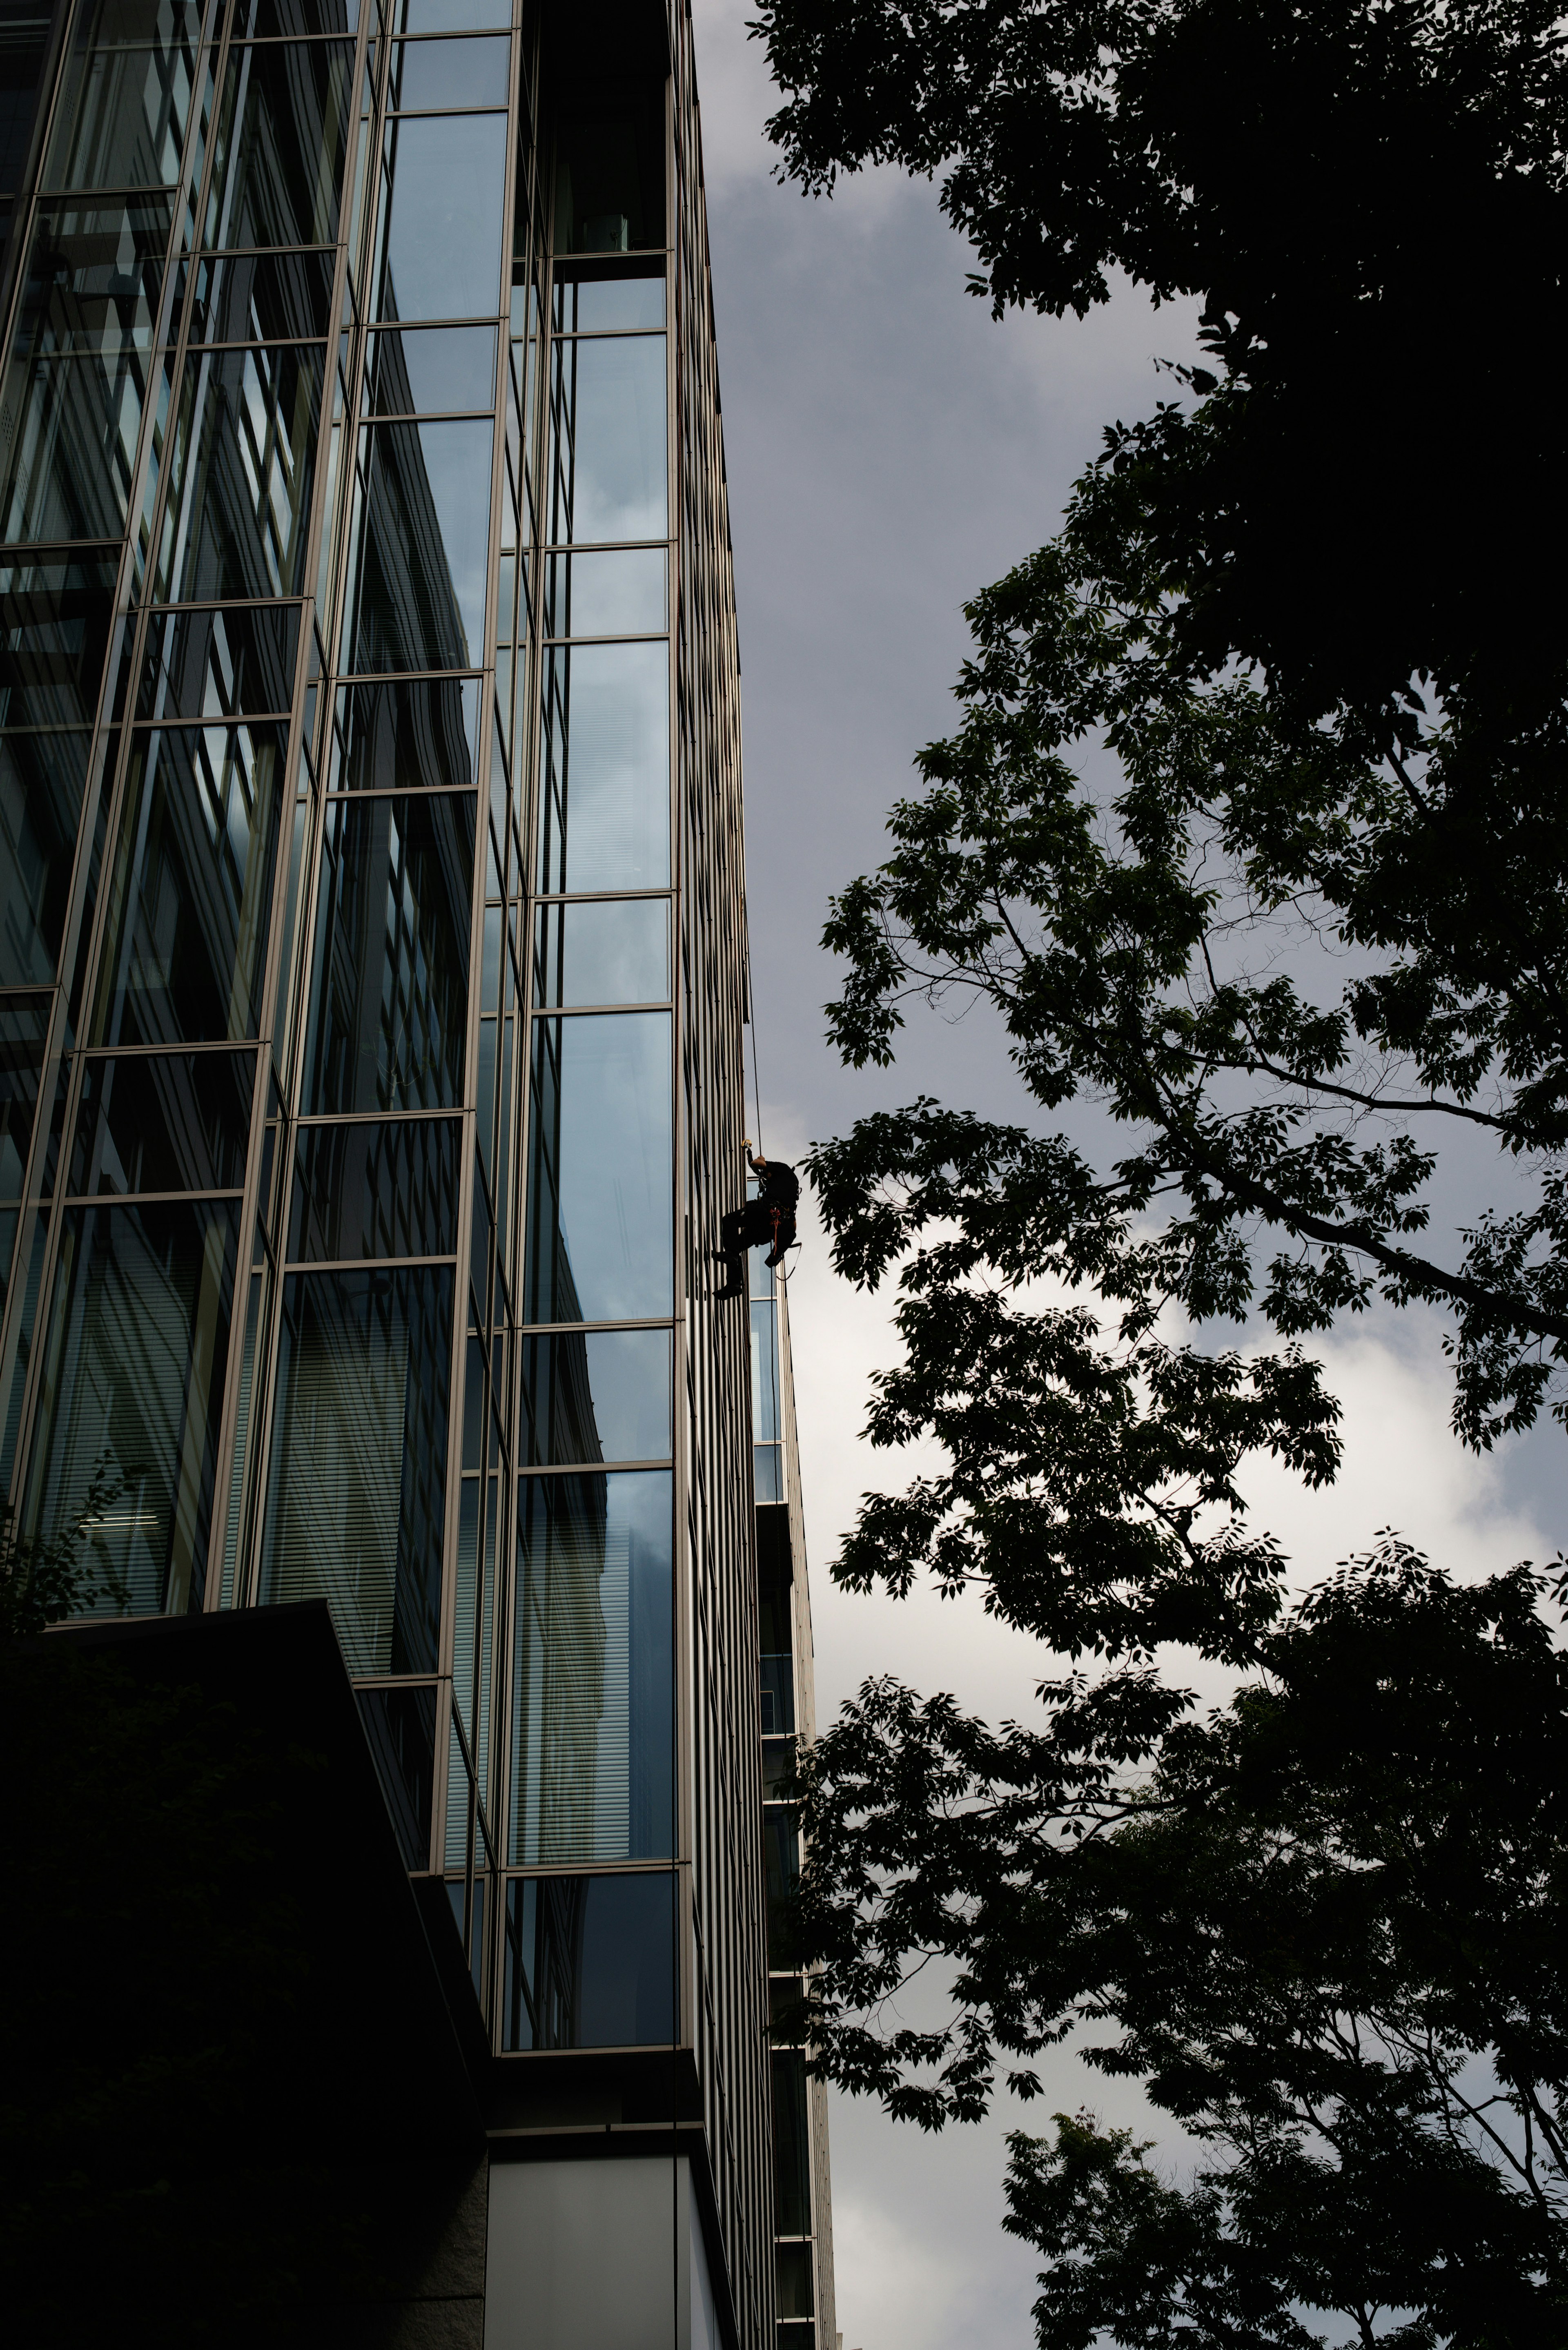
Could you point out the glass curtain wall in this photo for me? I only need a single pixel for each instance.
(342, 935)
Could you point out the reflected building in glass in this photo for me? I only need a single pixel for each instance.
(372, 980)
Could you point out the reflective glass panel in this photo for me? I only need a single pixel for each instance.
(24, 1032)
(388, 1017)
(764, 1375)
(609, 171)
(93, 278)
(262, 297)
(607, 951)
(419, 371)
(376, 1189)
(400, 1724)
(608, 305)
(137, 1344)
(596, 1395)
(186, 944)
(294, 18)
(448, 15)
(163, 1122)
(41, 781)
(24, 46)
(242, 471)
(224, 663)
(54, 623)
(356, 1494)
(423, 541)
(72, 422)
(414, 733)
(604, 780)
(600, 1191)
(446, 74)
(590, 1961)
(792, 2145)
(609, 459)
(442, 216)
(614, 594)
(593, 1693)
(795, 2296)
(282, 138)
(126, 96)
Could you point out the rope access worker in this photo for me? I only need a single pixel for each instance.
(768, 1220)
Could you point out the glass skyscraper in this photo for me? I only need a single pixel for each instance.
(372, 981)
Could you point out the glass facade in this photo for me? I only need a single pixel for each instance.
(803, 2211)
(372, 947)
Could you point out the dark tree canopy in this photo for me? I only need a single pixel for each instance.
(1254, 837)
(1325, 1926)
(1367, 197)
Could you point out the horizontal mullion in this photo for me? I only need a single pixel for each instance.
(430, 416)
(137, 1199)
(592, 897)
(358, 1264)
(589, 1468)
(317, 1119)
(586, 1010)
(548, 1329)
(630, 637)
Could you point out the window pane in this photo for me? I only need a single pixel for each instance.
(609, 951)
(376, 1189)
(792, 2146)
(777, 1670)
(71, 441)
(450, 15)
(134, 1378)
(390, 999)
(413, 734)
(603, 784)
(422, 553)
(449, 74)
(261, 18)
(26, 43)
(41, 780)
(606, 415)
(186, 943)
(400, 1724)
(93, 278)
(618, 594)
(596, 1395)
(24, 1032)
(420, 371)
(220, 664)
(243, 467)
(764, 1376)
(164, 1122)
(442, 218)
(357, 1491)
(262, 297)
(123, 108)
(608, 305)
(609, 174)
(600, 1200)
(593, 1689)
(795, 2298)
(781, 1860)
(590, 1961)
(55, 621)
(282, 139)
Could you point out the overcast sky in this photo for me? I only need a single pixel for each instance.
(890, 450)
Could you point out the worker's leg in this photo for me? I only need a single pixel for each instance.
(735, 1235)
(782, 1240)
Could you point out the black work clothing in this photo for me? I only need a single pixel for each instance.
(778, 1185)
(759, 1225)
